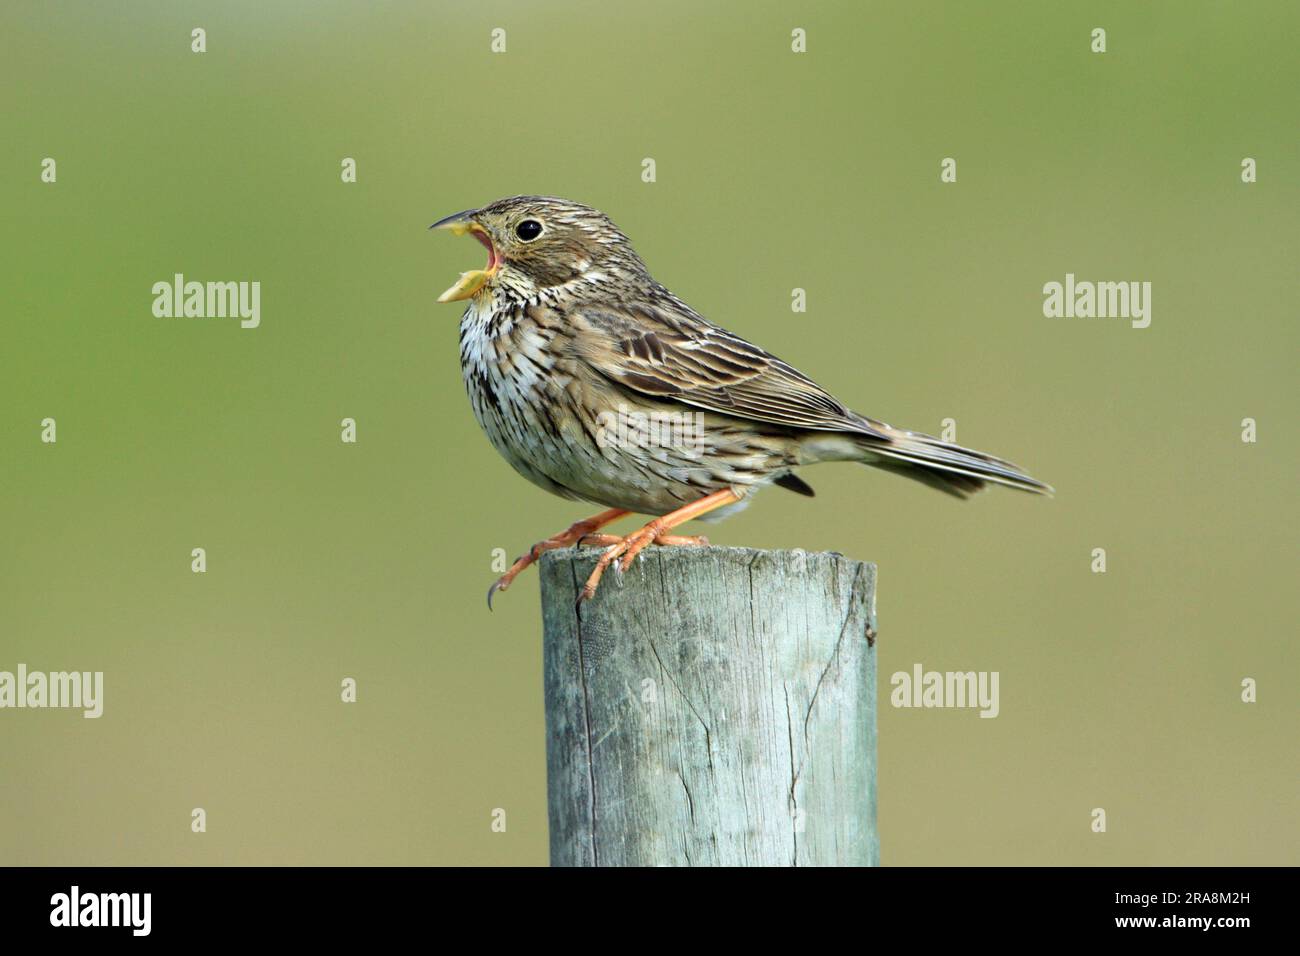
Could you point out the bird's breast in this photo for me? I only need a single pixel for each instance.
(509, 366)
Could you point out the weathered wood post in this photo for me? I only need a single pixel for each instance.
(718, 708)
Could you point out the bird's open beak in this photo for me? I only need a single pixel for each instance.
(471, 282)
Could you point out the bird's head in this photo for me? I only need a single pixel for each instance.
(536, 243)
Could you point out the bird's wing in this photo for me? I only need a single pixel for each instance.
(664, 350)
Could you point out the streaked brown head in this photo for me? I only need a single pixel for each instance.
(537, 243)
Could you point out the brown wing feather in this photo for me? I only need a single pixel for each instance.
(668, 351)
(664, 349)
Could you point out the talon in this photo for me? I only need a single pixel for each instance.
(623, 551)
(575, 532)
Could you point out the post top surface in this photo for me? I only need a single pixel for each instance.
(684, 555)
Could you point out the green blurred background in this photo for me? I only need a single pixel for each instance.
(775, 170)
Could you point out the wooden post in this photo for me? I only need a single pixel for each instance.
(711, 707)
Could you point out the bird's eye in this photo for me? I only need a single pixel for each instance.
(528, 230)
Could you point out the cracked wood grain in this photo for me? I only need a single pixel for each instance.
(711, 707)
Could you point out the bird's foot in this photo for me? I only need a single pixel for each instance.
(580, 532)
(624, 551)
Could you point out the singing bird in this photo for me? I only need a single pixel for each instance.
(598, 384)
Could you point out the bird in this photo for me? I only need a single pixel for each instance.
(598, 384)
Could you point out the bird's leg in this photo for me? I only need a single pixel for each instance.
(656, 531)
(579, 531)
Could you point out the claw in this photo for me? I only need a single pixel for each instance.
(579, 530)
(623, 551)
(496, 586)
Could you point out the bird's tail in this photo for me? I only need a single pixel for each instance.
(949, 468)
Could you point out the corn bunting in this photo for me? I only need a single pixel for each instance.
(597, 383)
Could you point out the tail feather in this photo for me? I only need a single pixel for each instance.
(950, 468)
(949, 482)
